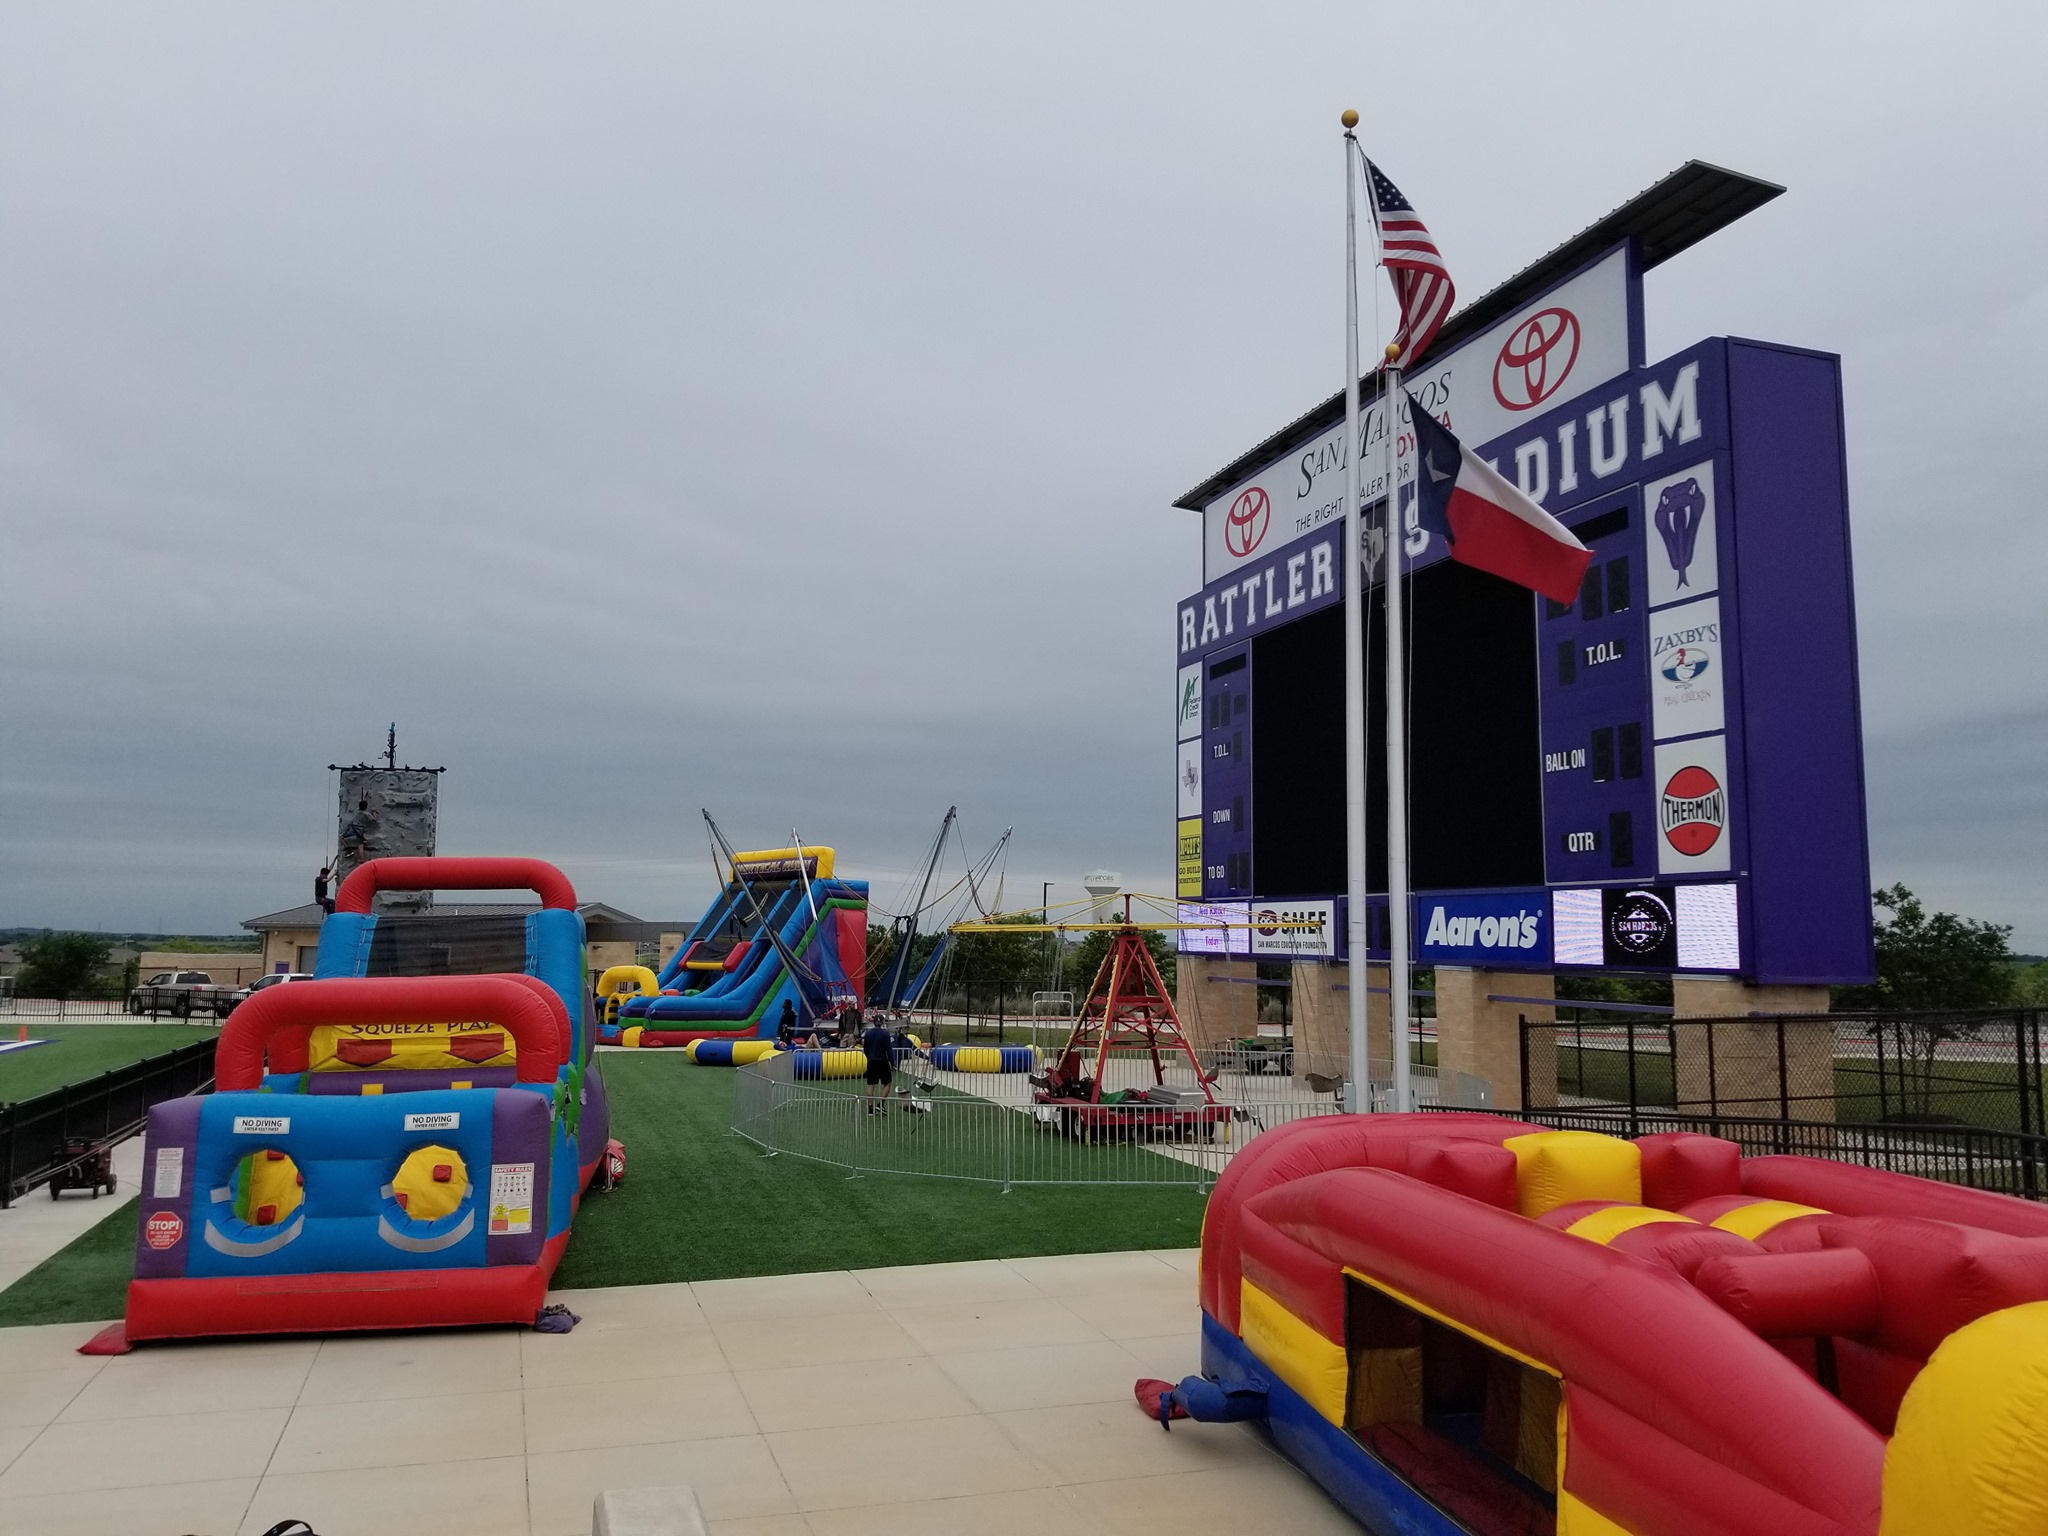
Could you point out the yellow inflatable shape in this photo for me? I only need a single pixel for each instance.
(409, 1047)
(1575, 1517)
(1971, 1449)
(1603, 1227)
(1299, 1356)
(637, 979)
(430, 1182)
(267, 1188)
(978, 1058)
(744, 1051)
(843, 1064)
(1755, 1219)
(1562, 1167)
(690, 1048)
(787, 856)
(630, 1035)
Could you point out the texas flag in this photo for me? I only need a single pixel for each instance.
(1486, 520)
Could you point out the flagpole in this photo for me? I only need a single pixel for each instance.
(1398, 967)
(1354, 656)
(1397, 749)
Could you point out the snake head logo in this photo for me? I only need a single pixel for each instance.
(1680, 511)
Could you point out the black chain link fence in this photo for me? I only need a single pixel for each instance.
(1952, 1095)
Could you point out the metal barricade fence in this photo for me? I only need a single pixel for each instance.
(986, 1127)
(62, 1008)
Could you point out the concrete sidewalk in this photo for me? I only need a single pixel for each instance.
(35, 1226)
(987, 1397)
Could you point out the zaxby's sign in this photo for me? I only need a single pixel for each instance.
(1572, 339)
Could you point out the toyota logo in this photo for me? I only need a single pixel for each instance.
(1536, 358)
(1245, 523)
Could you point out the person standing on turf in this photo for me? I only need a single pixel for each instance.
(785, 1032)
(878, 1043)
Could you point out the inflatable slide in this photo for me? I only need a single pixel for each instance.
(784, 928)
(398, 1143)
(1461, 1324)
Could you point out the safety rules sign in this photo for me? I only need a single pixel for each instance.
(511, 1198)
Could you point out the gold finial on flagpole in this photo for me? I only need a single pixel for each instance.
(1349, 119)
(1393, 351)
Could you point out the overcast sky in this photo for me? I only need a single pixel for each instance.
(778, 408)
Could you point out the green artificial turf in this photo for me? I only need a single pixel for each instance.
(79, 1051)
(85, 1282)
(699, 1203)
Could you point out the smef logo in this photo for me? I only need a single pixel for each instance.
(263, 1125)
(1693, 810)
(1536, 358)
(1191, 775)
(1300, 921)
(1685, 663)
(1639, 923)
(1513, 930)
(1245, 523)
(162, 1230)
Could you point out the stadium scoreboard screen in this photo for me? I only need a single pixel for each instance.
(1664, 774)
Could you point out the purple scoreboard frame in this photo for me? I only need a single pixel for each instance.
(1702, 760)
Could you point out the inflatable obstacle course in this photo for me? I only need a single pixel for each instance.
(784, 929)
(400, 1142)
(1463, 1324)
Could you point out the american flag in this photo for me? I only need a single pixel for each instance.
(1421, 281)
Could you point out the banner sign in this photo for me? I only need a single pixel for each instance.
(1306, 929)
(1188, 875)
(1649, 927)
(1188, 783)
(1229, 937)
(1291, 582)
(1187, 692)
(1545, 355)
(1497, 928)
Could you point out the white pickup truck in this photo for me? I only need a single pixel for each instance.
(181, 994)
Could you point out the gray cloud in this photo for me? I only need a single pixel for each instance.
(777, 409)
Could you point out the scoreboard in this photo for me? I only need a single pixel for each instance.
(1665, 774)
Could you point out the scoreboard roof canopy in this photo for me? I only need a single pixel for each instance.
(1693, 202)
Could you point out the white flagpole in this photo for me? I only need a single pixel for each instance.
(1397, 753)
(1398, 968)
(1354, 653)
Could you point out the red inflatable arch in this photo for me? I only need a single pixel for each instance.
(536, 875)
(281, 1018)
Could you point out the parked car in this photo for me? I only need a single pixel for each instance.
(275, 979)
(182, 993)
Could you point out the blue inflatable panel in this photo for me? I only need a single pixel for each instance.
(716, 1053)
(1368, 1490)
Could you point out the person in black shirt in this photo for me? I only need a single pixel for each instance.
(785, 1031)
(879, 1045)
